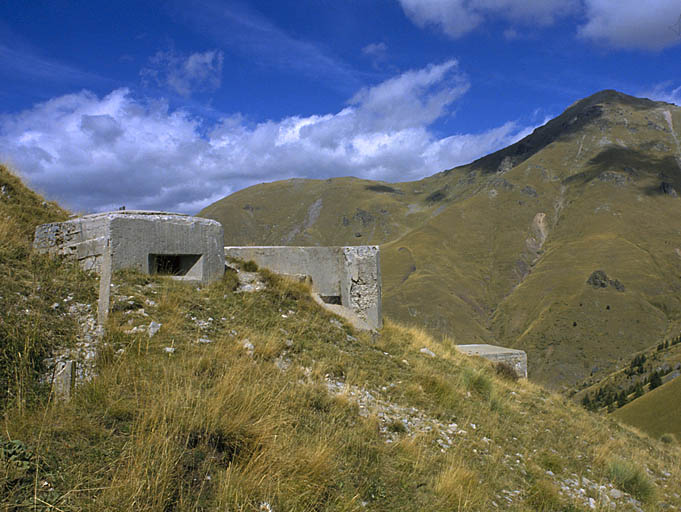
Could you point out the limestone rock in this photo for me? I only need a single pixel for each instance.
(427, 352)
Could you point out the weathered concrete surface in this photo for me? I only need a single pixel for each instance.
(343, 312)
(345, 276)
(64, 380)
(152, 242)
(104, 288)
(517, 359)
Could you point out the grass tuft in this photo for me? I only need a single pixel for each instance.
(630, 478)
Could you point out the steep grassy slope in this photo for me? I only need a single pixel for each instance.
(34, 292)
(657, 412)
(329, 212)
(266, 402)
(506, 254)
(634, 385)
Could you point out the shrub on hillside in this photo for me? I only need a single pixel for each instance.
(668, 438)
(506, 371)
(250, 266)
(544, 497)
(630, 478)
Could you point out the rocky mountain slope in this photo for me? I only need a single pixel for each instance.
(566, 244)
(215, 398)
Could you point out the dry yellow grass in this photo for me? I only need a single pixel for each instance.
(317, 417)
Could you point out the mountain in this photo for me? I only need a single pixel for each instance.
(565, 244)
(202, 398)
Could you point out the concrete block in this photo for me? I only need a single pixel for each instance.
(64, 380)
(188, 248)
(517, 359)
(342, 276)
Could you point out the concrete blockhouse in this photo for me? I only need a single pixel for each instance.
(187, 248)
(346, 279)
(517, 359)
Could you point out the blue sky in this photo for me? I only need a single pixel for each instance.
(172, 105)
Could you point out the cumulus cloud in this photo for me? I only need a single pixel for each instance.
(185, 74)
(459, 17)
(632, 23)
(98, 153)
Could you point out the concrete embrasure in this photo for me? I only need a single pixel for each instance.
(349, 277)
(517, 359)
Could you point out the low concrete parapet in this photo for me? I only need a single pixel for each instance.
(188, 248)
(342, 276)
(517, 359)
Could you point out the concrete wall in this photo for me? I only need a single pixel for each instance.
(517, 359)
(350, 274)
(192, 244)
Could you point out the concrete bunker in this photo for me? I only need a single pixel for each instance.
(184, 247)
(517, 359)
(346, 280)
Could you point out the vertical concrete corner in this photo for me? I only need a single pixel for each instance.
(64, 380)
(361, 283)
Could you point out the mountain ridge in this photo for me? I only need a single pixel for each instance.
(213, 398)
(500, 250)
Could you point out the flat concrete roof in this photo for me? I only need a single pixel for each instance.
(484, 349)
(127, 212)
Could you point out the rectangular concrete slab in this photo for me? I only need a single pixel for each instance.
(517, 359)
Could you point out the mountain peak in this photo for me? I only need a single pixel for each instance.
(611, 96)
(572, 120)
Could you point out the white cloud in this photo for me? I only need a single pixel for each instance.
(377, 52)
(243, 29)
(24, 62)
(632, 23)
(459, 17)
(663, 92)
(97, 153)
(647, 25)
(185, 75)
(375, 49)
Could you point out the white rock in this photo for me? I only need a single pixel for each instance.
(169, 350)
(427, 352)
(153, 328)
(615, 494)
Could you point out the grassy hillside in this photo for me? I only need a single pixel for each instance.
(657, 413)
(36, 293)
(502, 249)
(265, 402)
(328, 212)
(634, 386)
